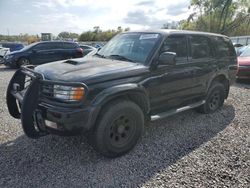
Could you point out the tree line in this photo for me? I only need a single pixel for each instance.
(226, 17)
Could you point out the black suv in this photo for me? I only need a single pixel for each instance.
(43, 52)
(136, 77)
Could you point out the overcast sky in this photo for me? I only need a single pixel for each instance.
(36, 16)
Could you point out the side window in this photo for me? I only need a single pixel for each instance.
(69, 45)
(200, 47)
(42, 46)
(55, 45)
(224, 47)
(177, 44)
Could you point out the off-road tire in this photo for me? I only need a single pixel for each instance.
(118, 129)
(214, 99)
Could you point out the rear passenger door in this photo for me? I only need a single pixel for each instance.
(203, 63)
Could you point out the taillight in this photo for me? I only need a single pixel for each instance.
(80, 50)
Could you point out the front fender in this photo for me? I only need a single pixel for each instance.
(120, 90)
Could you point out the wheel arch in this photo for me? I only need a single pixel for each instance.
(221, 78)
(133, 92)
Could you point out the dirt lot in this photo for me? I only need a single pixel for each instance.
(185, 150)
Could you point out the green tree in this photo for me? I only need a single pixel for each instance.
(67, 35)
(220, 16)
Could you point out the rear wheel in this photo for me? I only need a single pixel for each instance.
(214, 100)
(118, 129)
(23, 61)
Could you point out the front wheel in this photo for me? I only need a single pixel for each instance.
(119, 127)
(23, 61)
(214, 100)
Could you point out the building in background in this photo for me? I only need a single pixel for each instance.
(46, 36)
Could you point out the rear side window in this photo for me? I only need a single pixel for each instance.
(42, 46)
(55, 45)
(224, 47)
(69, 45)
(200, 47)
(176, 44)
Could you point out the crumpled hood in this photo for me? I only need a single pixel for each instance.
(90, 69)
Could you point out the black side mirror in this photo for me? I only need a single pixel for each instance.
(167, 58)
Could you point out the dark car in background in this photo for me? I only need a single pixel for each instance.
(43, 52)
(244, 64)
(13, 46)
(86, 49)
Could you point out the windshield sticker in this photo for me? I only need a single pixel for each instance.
(148, 36)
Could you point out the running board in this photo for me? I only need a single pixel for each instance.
(175, 111)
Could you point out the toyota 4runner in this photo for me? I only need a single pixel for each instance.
(136, 77)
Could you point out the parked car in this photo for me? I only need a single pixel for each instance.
(244, 64)
(86, 49)
(135, 77)
(3, 52)
(13, 46)
(43, 52)
(240, 50)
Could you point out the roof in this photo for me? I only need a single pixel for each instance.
(173, 31)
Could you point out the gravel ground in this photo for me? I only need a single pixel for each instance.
(185, 150)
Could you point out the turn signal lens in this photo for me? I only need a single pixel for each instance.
(78, 93)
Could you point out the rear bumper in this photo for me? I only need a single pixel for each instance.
(48, 116)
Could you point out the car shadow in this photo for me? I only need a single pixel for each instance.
(54, 161)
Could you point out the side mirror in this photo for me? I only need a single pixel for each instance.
(167, 58)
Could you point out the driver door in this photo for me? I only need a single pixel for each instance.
(42, 53)
(172, 87)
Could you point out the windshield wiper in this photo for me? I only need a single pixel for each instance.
(120, 57)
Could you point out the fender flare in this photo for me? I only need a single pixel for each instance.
(119, 90)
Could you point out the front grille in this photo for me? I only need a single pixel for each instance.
(47, 90)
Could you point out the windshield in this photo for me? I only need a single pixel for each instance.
(134, 47)
(246, 52)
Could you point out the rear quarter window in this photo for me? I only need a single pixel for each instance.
(200, 47)
(70, 45)
(224, 47)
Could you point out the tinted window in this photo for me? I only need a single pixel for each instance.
(42, 46)
(48, 46)
(69, 45)
(177, 44)
(224, 47)
(55, 45)
(200, 47)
